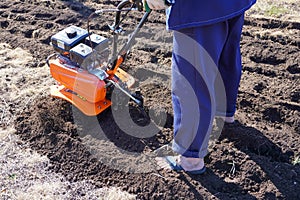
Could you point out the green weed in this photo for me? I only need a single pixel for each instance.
(275, 11)
(296, 160)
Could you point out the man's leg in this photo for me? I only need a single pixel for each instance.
(195, 55)
(230, 66)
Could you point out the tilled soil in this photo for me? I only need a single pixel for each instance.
(254, 158)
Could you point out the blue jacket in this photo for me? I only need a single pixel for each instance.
(191, 13)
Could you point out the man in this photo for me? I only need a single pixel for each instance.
(206, 71)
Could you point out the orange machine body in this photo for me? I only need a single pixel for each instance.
(83, 89)
(79, 81)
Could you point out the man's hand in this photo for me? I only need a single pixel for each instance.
(155, 4)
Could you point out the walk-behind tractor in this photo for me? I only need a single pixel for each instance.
(87, 65)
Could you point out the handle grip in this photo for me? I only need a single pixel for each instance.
(146, 6)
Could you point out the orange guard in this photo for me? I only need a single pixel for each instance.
(84, 90)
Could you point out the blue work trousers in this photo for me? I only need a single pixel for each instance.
(206, 72)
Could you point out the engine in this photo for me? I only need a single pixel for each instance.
(79, 61)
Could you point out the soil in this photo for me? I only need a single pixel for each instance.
(255, 158)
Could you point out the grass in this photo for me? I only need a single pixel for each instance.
(283, 9)
(275, 11)
(296, 160)
(24, 175)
